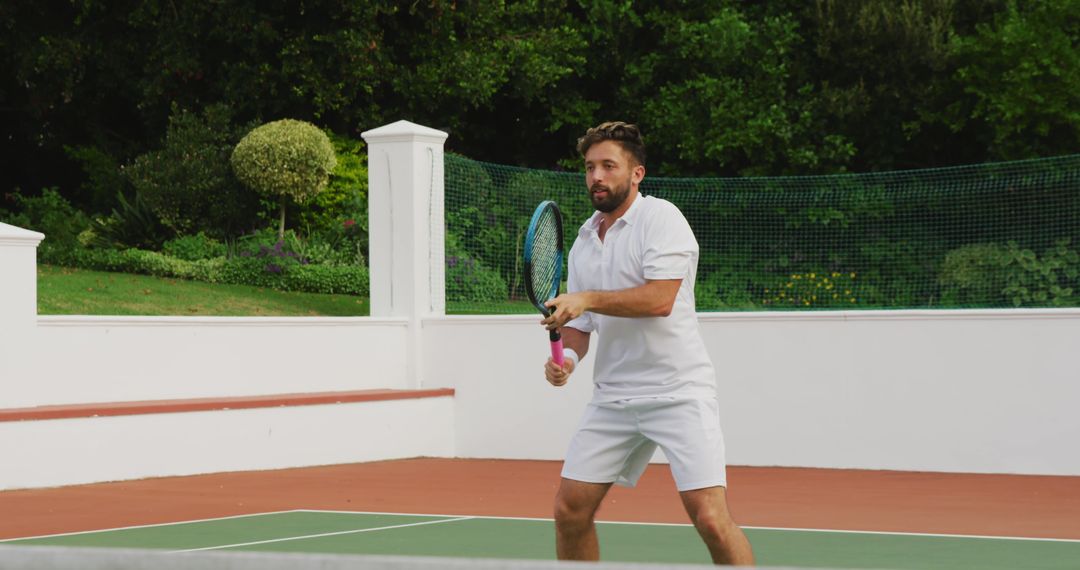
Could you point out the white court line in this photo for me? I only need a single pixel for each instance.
(838, 531)
(139, 526)
(785, 529)
(320, 535)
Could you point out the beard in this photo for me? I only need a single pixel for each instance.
(612, 200)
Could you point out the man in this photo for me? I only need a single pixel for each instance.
(631, 280)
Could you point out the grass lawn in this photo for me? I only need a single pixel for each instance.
(66, 291)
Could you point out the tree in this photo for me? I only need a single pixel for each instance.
(285, 159)
(1022, 73)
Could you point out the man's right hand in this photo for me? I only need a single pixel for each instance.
(556, 375)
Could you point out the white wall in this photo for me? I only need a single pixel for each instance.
(71, 451)
(960, 391)
(107, 359)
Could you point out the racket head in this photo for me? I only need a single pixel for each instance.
(543, 255)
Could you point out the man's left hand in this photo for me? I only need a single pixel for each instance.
(565, 308)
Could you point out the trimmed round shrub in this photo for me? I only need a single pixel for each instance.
(285, 159)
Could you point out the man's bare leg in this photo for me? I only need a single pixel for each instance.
(575, 508)
(725, 540)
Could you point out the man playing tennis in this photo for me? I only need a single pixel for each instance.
(631, 280)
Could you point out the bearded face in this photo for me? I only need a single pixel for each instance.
(607, 198)
(610, 176)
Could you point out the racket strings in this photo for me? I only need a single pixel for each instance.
(546, 257)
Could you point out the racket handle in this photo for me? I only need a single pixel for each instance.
(556, 348)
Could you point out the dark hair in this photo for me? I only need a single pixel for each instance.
(628, 136)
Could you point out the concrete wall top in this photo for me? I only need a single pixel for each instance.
(16, 236)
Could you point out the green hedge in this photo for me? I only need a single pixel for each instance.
(272, 273)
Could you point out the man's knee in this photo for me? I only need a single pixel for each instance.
(571, 513)
(576, 505)
(709, 521)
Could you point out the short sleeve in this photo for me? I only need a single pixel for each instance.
(670, 245)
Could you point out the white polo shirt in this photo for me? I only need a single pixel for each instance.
(648, 356)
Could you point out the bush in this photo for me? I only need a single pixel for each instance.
(345, 196)
(719, 291)
(104, 177)
(238, 271)
(51, 214)
(133, 225)
(193, 248)
(469, 279)
(189, 183)
(1008, 275)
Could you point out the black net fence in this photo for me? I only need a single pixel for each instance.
(983, 236)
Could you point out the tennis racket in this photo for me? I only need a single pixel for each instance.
(543, 264)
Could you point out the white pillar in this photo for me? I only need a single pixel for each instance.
(406, 227)
(18, 301)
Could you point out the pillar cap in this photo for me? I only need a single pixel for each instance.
(404, 131)
(16, 236)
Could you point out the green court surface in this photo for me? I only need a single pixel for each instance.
(514, 538)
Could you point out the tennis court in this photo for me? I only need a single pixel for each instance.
(337, 532)
(499, 511)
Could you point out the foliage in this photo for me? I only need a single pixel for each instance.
(735, 77)
(189, 183)
(133, 224)
(345, 196)
(335, 221)
(468, 279)
(104, 178)
(194, 248)
(1022, 71)
(286, 159)
(719, 87)
(274, 272)
(51, 214)
(814, 290)
(1009, 274)
(722, 291)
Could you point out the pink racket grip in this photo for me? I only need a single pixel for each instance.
(556, 348)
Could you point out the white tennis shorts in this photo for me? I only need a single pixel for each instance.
(615, 441)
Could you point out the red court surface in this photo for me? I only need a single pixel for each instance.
(997, 505)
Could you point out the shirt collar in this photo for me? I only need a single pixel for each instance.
(592, 225)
